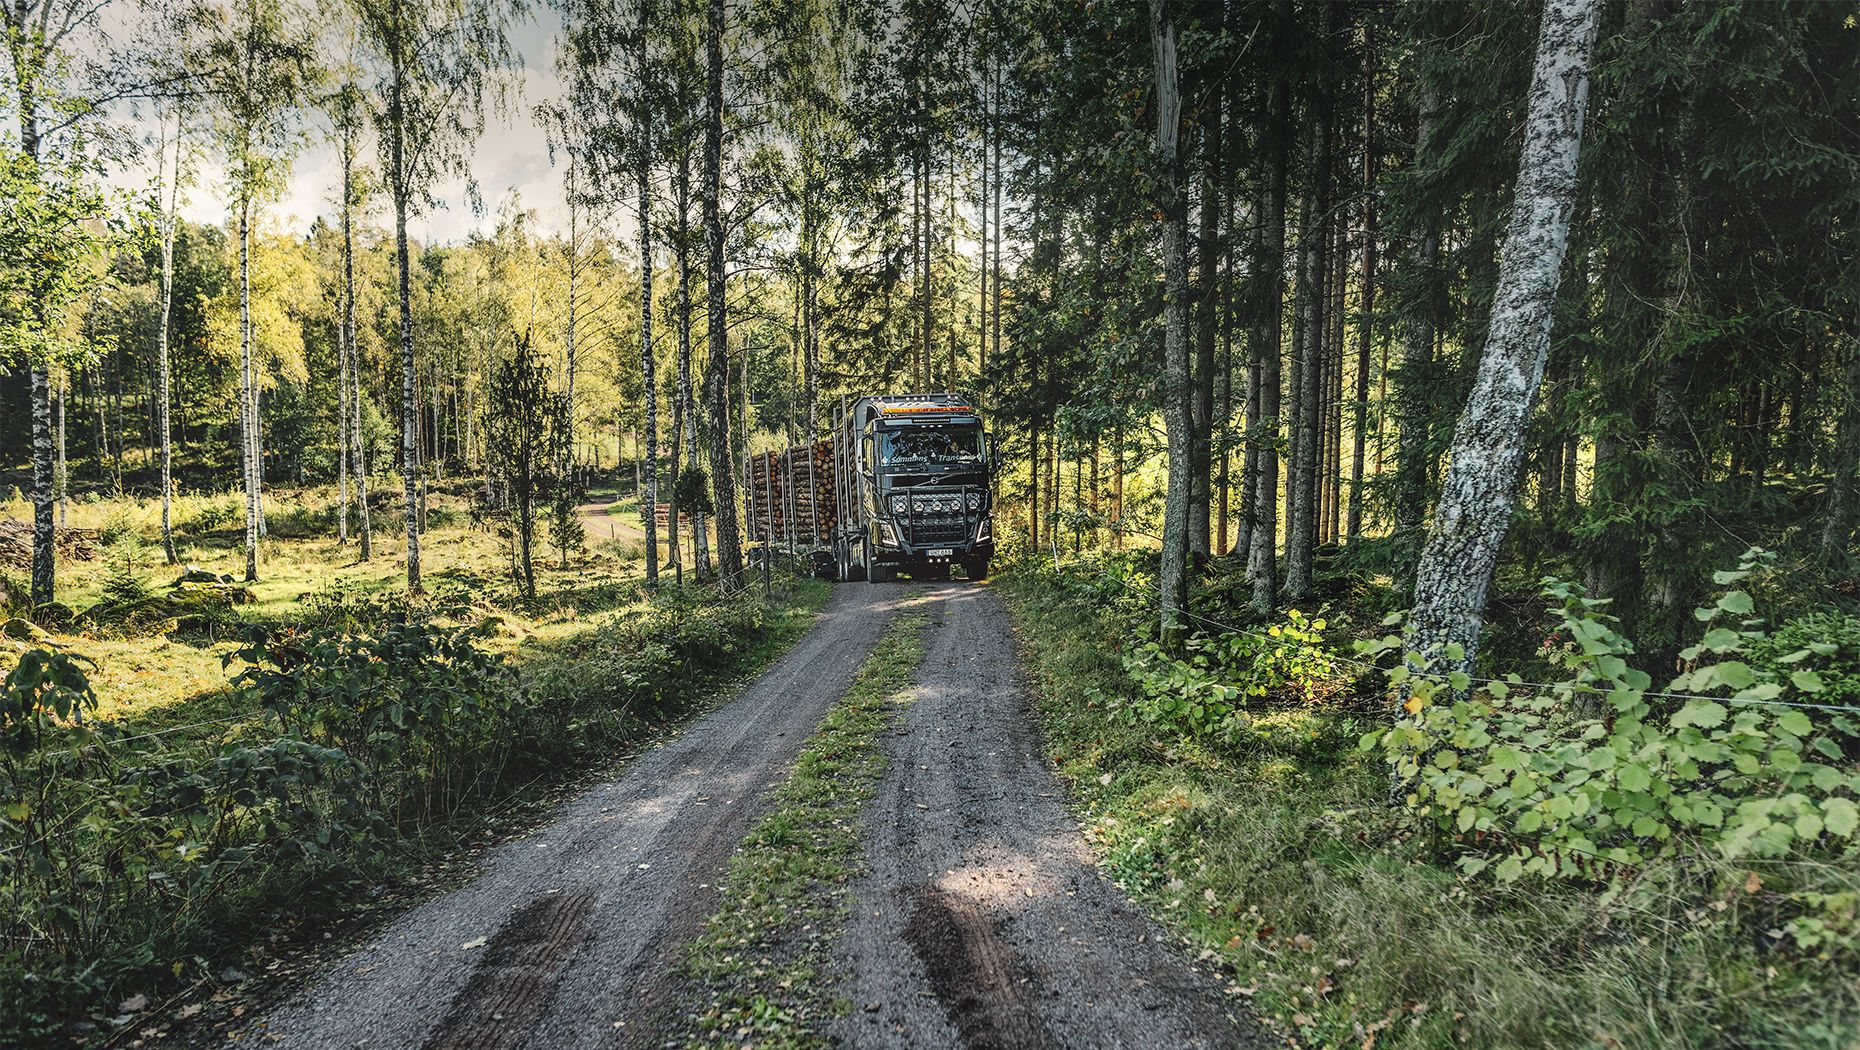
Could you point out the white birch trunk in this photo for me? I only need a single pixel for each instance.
(716, 382)
(1488, 443)
(161, 351)
(1172, 580)
(649, 455)
(247, 410)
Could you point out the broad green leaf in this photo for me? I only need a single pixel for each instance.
(1840, 816)
(1806, 681)
(1634, 777)
(1705, 714)
(1795, 722)
(1734, 673)
(1736, 602)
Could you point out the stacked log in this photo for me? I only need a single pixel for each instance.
(793, 489)
(811, 468)
(16, 544)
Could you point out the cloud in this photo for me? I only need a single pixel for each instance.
(512, 156)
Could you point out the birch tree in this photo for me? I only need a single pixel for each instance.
(1177, 391)
(716, 379)
(437, 60)
(47, 215)
(346, 120)
(1480, 487)
(168, 182)
(258, 60)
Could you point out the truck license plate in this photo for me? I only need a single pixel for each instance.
(940, 552)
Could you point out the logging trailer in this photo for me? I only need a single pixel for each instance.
(901, 486)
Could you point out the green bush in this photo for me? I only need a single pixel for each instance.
(1832, 642)
(1596, 774)
(428, 715)
(1205, 691)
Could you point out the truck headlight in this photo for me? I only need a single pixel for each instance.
(900, 504)
(975, 501)
(887, 536)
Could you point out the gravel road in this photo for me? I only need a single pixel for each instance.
(568, 938)
(982, 921)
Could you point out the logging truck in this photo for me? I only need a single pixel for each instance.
(901, 486)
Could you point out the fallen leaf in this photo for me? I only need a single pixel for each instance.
(1752, 882)
(1105, 779)
(475, 942)
(134, 1003)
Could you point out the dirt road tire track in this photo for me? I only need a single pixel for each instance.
(630, 866)
(982, 920)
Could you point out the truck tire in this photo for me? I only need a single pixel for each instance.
(977, 569)
(874, 573)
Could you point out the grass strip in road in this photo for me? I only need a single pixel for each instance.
(760, 957)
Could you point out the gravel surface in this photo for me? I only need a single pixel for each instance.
(982, 920)
(569, 936)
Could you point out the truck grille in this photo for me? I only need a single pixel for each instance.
(938, 517)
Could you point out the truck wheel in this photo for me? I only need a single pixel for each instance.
(874, 573)
(977, 570)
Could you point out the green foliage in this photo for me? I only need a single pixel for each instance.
(691, 492)
(1825, 644)
(1284, 869)
(429, 715)
(1592, 776)
(527, 438)
(1204, 693)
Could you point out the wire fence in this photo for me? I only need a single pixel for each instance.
(1445, 679)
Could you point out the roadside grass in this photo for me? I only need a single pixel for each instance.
(599, 665)
(1279, 858)
(761, 956)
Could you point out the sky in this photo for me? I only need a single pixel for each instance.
(510, 158)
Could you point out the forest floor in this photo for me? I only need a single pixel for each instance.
(976, 916)
(156, 679)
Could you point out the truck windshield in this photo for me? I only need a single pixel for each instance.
(931, 446)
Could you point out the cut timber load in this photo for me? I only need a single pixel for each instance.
(791, 495)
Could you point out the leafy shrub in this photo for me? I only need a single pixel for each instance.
(1594, 773)
(428, 715)
(202, 513)
(1832, 642)
(1204, 692)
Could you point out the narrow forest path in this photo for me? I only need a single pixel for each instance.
(980, 921)
(601, 523)
(598, 524)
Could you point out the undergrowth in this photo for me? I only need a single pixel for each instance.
(351, 748)
(760, 957)
(1268, 841)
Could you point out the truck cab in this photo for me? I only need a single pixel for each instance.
(915, 474)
